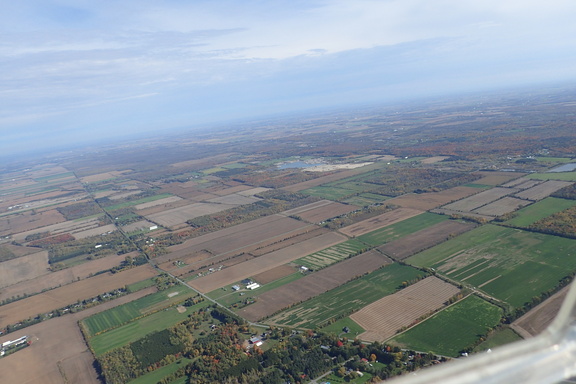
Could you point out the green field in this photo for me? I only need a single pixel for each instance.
(137, 329)
(364, 199)
(155, 376)
(347, 298)
(338, 325)
(138, 201)
(140, 285)
(510, 264)
(330, 193)
(537, 211)
(331, 255)
(565, 176)
(122, 314)
(453, 329)
(497, 338)
(402, 228)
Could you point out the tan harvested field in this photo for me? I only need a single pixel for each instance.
(205, 161)
(522, 183)
(237, 237)
(274, 244)
(164, 207)
(418, 241)
(502, 206)
(274, 274)
(313, 285)
(384, 317)
(65, 276)
(70, 226)
(19, 250)
(329, 178)
(234, 199)
(103, 176)
(23, 268)
(497, 178)
(543, 190)
(58, 354)
(95, 231)
(265, 263)
(321, 212)
(450, 212)
(426, 201)
(231, 190)
(307, 207)
(123, 195)
(180, 215)
(379, 221)
(68, 294)
(541, 316)
(166, 200)
(471, 203)
(27, 221)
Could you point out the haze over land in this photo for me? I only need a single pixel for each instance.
(79, 71)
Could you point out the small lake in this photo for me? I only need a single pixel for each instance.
(564, 168)
(298, 164)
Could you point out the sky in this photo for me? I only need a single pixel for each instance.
(73, 71)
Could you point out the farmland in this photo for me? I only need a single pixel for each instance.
(347, 298)
(117, 316)
(331, 255)
(402, 228)
(544, 208)
(383, 318)
(313, 285)
(452, 330)
(501, 260)
(380, 221)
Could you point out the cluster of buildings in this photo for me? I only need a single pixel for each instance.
(249, 284)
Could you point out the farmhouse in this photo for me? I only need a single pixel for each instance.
(235, 287)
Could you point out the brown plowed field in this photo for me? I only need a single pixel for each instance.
(379, 221)
(314, 284)
(500, 207)
(274, 274)
(497, 178)
(23, 268)
(522, 183)
(231, 190)
(297, 236)
(27, 221)
(265, 263)
(236, 237)
(384, 317)
(426, 201)
(543, 190)
(70, 226)
(326, 212)
(485, 197)
(418, 241)
(69, 294)
(541, 316)
(56, 342)
(63, 277)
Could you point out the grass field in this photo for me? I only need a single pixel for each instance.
(497, 338)
(155, 376)
(453, 329)
(122, 314)
(565, 176)
(331, 255)
(347, 298)
(364, 199)
(338, 326)
(403, 228)
(135, 330)
(140, 285)
(330, 193)
(510, 264)
(544, 208)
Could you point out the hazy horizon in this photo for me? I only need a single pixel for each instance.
(76, 71)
